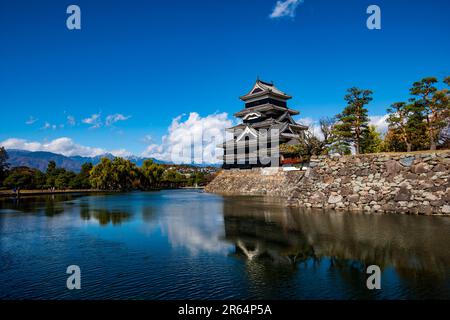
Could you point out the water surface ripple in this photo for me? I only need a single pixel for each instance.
(193, 245)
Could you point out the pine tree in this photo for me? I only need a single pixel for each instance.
(435, 105)
(353, 121)
(444, 137)
(371, 141)
(407, 122)
(4, 166)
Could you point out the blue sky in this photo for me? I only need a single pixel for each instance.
(145, 63)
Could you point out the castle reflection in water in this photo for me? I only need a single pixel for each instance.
(288, 237)
(233, 247)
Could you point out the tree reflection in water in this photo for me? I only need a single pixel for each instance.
(271, 237)
(50, 205)
(239, 247)
(104, 216)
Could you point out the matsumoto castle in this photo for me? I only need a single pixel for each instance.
(266, 124)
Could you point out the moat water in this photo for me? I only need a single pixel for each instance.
(192, 245)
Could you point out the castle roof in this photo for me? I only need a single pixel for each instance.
(264, 108)
(261, 88)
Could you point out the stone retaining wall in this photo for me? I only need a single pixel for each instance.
(268, 182)
(416, 183)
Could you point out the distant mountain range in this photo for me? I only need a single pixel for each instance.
(40, 159)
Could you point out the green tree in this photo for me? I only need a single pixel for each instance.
(398, 120)
(315, 145)
(434, 104)
(151, 174)
(81, 181)
(172, 178)
(331, 143)
(417, 128)
(51, 167)
(59, 178)
(321, 143)
(51, 174)
(371, 141)
(86, 169)
(447, 81)
(124, 173)
(393, 142)
(63, 179)
(116, 175)
(197, 179)
(4, 165)
(101, 175)
(444, 137)
(22, 177)
(353, 120)
(39, 179)
(406, 121)
(340, 146)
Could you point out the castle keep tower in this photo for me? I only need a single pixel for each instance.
(265, 114)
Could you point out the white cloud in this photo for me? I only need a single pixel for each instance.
(48, 125)
(380, 122)
(285, 8)
(314, 126)
(148, 139)
(198, 231)
(63, 145)
(113, 118)
(71, 120)
(192, 140)
(94, 120)
(31, 120)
